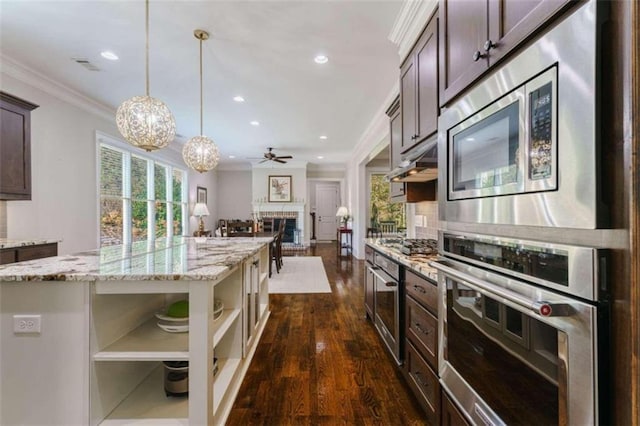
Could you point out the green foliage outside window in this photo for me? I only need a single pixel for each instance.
(381, 210)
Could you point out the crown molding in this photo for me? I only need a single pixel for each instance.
(376, 132)
(409, 23)
(33, 78)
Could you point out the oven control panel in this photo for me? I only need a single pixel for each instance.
(537, 262)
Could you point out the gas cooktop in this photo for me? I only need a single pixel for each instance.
(413, 246)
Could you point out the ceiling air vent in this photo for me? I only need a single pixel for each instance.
(85, 63)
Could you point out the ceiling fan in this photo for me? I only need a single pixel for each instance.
(270, 156)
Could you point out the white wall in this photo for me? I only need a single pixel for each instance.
(374, 139)
(64, 202)
(63, 172)
(260, 182)
(235, 194)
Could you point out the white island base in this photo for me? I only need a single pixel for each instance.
(98, 357)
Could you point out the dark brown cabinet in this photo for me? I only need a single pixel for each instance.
(15, 147)
(470, 45)
(369, 289)
(24, 253)
(419, 88)
(451, 416)
(395, 146)
(421, 346)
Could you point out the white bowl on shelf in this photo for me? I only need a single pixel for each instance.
(218, 307)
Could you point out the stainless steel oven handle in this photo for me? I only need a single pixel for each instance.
(540, 307)
(388, 280)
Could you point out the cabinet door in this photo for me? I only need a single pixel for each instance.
(369, 293)
(451, 416)
(426, 63)
(397, 188)
(463, 32)
(512, 21)
(15, 148)
(408, 104)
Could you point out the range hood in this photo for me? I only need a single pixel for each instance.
(420, 164)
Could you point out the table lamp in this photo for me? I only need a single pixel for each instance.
(200, 210)
(343, 213)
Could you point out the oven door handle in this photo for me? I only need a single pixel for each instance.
(540, 307)
(388, 280)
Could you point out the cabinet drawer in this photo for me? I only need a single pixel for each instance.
(424, 384)
(368, 254)
(37, 252)
(423, 290)
(8, 256)
(422, 330)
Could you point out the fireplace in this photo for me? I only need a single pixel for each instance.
(291, 213)
(290, 227)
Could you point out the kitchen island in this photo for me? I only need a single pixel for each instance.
(79, 341)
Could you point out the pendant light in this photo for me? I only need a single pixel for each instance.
(201, 153)
(146, 122)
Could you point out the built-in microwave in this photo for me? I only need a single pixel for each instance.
(521, 146)
(509, 147)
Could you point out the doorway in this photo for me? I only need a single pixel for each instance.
(327, 200)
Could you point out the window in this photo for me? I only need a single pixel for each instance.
(380, 209)
(140, 198)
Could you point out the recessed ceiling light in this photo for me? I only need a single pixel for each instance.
(323, 137)
(255, 123)
(238, 98)
(107, 54)
(320, 157)
(321, 59)
(470, 139)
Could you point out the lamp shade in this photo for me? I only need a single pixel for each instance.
(342, 211)
(200, 210)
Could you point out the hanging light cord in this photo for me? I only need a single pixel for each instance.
(147, 44)
(201, 96)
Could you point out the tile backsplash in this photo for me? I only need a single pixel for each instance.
(426, 219)
(3, 219)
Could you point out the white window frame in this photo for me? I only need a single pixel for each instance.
(120, 146)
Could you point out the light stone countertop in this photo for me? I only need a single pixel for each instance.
(8, 244)
(178, 258)
(419, 266)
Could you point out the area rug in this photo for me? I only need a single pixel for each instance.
(300, 275)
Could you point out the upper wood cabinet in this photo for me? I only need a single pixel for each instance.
(395, 146)
(15, 147)
(419, 88)
(475, 35)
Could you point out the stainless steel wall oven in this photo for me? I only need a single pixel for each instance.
(514, 350)
(388, 313)
(521, 147)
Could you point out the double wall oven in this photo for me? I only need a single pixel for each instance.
(514, 350)
(523, 239)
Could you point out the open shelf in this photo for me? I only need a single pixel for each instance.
(227, 368)
(149, 405)
(222, 324)
(148, 342)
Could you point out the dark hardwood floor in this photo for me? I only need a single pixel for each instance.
(320, 362)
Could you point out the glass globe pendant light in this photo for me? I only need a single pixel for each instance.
(146, 122)
(201, 153)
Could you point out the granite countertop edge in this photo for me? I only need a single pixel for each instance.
(420, 267)
(69, 268)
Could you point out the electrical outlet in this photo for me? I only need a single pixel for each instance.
(26, 324)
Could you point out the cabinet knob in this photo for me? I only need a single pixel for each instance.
(477, 55)
(488, 45)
